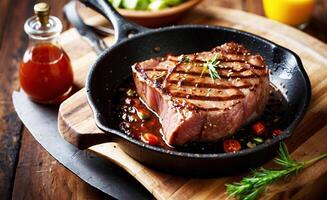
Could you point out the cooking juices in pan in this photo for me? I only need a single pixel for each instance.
(139, 122)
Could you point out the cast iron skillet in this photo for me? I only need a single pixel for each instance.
(135, 43)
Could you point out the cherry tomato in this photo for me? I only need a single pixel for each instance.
(276, 132)
(150, 139)
(231, 145)
(258, 128)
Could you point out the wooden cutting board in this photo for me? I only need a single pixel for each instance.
(308, 140)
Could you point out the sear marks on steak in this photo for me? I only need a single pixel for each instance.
(191, 105)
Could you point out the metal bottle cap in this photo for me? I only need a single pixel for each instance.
(42, 11)
(42, 26)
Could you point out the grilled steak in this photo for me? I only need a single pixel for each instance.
(194, 105)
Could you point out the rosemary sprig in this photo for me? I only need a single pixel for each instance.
(211, 65)
(250, 188)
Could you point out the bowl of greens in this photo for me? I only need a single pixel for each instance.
(153, 13)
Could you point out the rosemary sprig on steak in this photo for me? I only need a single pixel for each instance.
(210, 66)
(250, 188)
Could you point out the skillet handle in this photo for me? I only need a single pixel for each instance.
(123, 27)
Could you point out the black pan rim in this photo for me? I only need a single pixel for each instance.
(287, 132)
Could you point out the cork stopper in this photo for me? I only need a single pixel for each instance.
(42, 11)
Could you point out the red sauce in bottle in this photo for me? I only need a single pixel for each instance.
(45, 71)
(46, 74)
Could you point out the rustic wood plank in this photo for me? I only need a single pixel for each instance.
(4, 7)
(307, 141)
(10, 125)
(39, 176)
(13, 44)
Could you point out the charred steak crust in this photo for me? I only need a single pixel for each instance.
(191, 105)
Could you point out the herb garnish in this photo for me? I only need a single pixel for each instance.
(249, 188)
(211, 65)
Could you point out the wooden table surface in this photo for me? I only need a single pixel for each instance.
(27, 171)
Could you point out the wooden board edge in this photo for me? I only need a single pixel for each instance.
(81, 140)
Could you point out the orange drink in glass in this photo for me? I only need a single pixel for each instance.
(291, 12)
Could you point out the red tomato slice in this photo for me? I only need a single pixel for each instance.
(276, 132)
(231, 145)
(150, 139)
(258, 128)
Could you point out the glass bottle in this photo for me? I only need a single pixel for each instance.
(45, 71)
